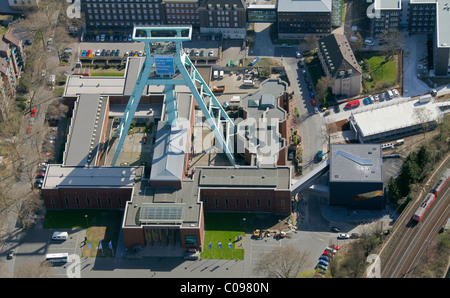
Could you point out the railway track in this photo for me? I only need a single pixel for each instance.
(404, 253)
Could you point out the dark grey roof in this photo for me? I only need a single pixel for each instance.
(356, 163)
(338, 55)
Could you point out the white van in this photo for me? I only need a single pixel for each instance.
(60, 236)
(221, 74)
(216, 74)
(390, 94)
(248, 82)
(369, 42)
(235, 99)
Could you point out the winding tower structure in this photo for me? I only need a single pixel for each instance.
(167, 64)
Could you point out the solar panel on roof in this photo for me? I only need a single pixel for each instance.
(161, 213)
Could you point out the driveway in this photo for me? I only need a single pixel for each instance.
(414, 48)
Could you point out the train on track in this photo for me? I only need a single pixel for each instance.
(429, 199)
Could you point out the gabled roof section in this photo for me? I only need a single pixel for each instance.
(338, 55)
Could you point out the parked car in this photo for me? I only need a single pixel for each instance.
(83, 54)
(10, 255)
(311, 94)
(323, 262)
(335, 229)
(33, 112)
(354, 235)
(367, 101)
(321, 266)
(344, 236)
(298, 54)
(309, 87)
(337, 109)
(40, 174)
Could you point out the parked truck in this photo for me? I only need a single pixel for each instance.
(218, 88)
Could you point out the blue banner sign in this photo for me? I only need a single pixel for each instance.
(164, 65)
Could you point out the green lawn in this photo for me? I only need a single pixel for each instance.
(224, 227)
(383, 70)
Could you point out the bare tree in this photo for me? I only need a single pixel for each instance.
(322, 88)
(61, 41)
(394, 43)
(309, 43)
(34, 270)
(423, 115)
(30, 207)
(282, 262)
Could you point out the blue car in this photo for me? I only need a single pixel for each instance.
(323, 262)
(84, 53)
(311, 94)
(367, 101)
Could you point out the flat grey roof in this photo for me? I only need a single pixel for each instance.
(304, 6)
(443, 23)
(388, 4)
(245, 177)
(76, 85)
(395, 116)
(60, 176)
(356, 163)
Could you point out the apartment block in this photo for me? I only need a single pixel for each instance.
(227, 18)
(298, 19)
(12, 61)
(119, 16)
(182, 12)
(387, 17)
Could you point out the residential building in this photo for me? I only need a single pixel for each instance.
(121, 16)
(226, 18)
(23, 4)
(422, 16)
(418, 16)
(12, 61)
(387, 17)
(442, 39)
(184, 12)
(340, 65)
(298, 19)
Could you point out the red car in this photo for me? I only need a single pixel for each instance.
(40, 175)
(313, 101)
(30, 129)
(33, 112)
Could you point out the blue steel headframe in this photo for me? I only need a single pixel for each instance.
(176, 35)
